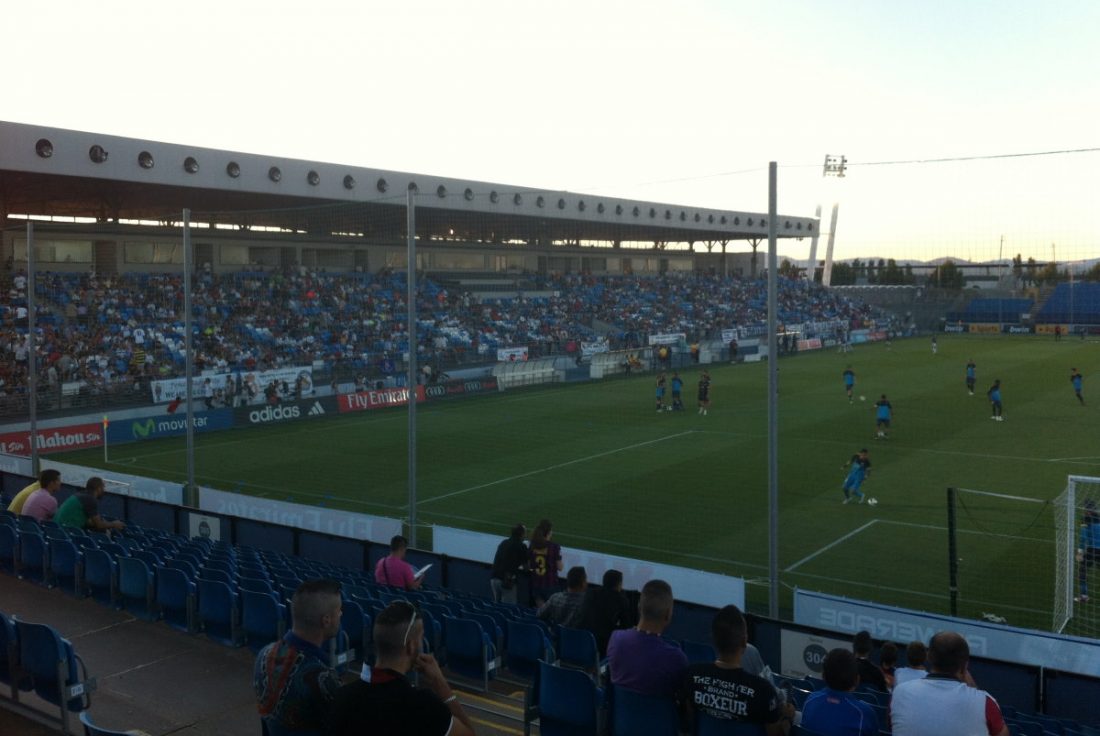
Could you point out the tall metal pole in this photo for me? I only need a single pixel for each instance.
(827, 274)
(773, 399)
(190, 494)
(32, 350)
(410, 209)
(952, 554)
(813, 246)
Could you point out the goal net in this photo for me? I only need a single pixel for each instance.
(1003, 548)
(1077, 557)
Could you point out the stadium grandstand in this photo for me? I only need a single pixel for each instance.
(544, 324)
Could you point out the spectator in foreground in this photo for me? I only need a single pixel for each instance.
(42, 504)
(834, 711)
(915, 655)
(81, 510)
(888, 662)
(45, 478)
(639, 658)
(564, 608)
(546, 562)
(605, 609)
(724, 691)
(946, 702)
(388, 703)
(294, 684)
(510, 558)
(869, 673)
(393, 570)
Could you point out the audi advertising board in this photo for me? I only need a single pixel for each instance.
(482, 385)
(166, 425)
(54, 439)
(368, 400)
(287, 411)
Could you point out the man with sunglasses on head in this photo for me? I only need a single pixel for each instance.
(293, 681)
(389, 703)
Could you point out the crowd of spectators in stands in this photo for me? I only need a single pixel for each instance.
(112, 334)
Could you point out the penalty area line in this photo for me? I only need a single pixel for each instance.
(556, 467)
(829, 546)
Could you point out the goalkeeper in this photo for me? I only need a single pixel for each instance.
(1088, 549)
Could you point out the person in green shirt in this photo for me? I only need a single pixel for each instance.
(81, 510)
(45, 478)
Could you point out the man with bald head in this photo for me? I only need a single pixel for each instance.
(946, 702)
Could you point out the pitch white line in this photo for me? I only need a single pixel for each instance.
(967, 531)
(832, 544)
(556, 467)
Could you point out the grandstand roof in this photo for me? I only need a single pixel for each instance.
(56, 172)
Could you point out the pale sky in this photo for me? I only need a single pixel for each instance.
(650, 100)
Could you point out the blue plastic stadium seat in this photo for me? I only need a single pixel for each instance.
(136, 591)
(57, 674)
(34, 557)
(469, 650)
(635, 714)
(176, 598)
(100, 578)
(264, 618)
(218, 611)
(566, 702)
(66, 562)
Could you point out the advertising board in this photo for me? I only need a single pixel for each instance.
(287, 411)
(336, 522)
(485, 384)
(511, 355)
(136, 429)
(380, 399)
(54, 439)
(167, 389)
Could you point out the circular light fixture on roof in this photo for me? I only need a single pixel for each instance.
(233, 169)
(798, 226)
(618, 209)
(414, 187)
(749, 222)
(581, 206)
(145, 160)
(540, 202)
(561, 203)
(275, 174)
(637, 210)
(668, 214)
(43, 148)
(349, 181)
(441, 191)
(698, 217)
(683, 216)
(810, 227)
(494, 197)
(313, 178)
(652, 211)
(97, 154)
(600, 208)
(468, 195)
(191, 165)
(517, 199)
(710, 219)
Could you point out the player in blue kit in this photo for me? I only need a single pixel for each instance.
(660, 392)
(994, 394)
(849, 382)
(883, 414)
(971, 376)
(677, 392)
(859, 467)
(1077, 380)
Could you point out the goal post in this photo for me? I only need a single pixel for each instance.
(1073, 509)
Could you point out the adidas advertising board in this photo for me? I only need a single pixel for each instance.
(287, 411)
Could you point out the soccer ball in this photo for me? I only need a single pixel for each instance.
(872, 502)
(862, 398)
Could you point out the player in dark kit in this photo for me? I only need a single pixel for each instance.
(971, 376)
(1077, 380)
(660, 393)
(849, 377)
(884, 412)
(704, 393)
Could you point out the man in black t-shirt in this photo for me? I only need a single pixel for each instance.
(869, 672)
(510, 558)
(606, 609)
(388, 703)
(723, 691)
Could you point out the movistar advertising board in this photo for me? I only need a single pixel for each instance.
(166, 425)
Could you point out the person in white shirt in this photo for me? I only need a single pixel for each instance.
(915, 655)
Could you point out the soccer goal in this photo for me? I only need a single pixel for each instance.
(1001, 548)
(1074, 510)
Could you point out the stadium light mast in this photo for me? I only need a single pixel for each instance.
(773, 396)
(410, 281)
(32, 349)
(835, 166)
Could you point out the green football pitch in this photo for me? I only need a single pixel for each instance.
(616, 476)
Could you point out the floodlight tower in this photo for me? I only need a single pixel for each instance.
(835, 166)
